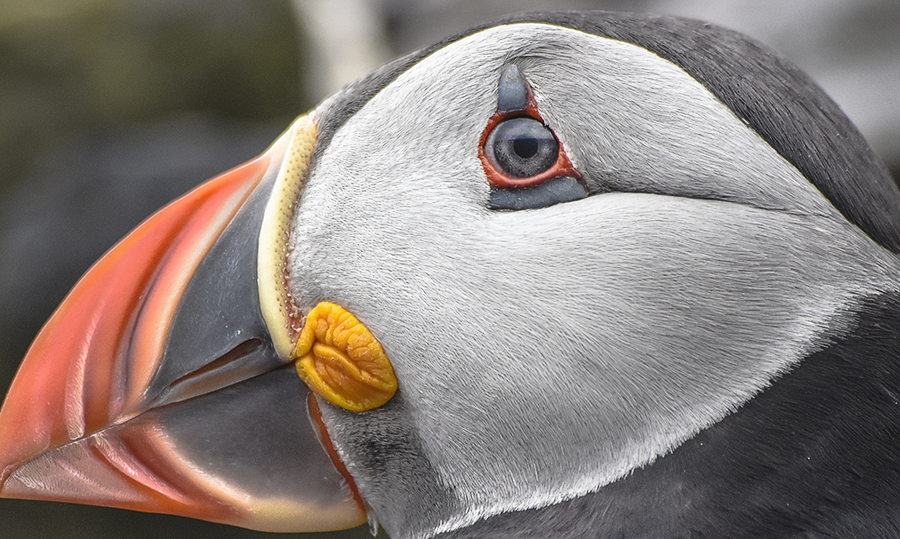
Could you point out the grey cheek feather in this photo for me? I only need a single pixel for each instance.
(658, 314)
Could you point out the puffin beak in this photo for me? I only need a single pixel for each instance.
(157, 385)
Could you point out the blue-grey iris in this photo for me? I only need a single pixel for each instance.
(521, 147)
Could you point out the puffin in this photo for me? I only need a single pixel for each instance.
(564, 275)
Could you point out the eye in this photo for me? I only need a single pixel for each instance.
(523, 161)
(521, 147)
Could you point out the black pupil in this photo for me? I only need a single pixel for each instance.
(522, 147)
(525, 147)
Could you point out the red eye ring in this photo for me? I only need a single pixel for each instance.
(497, 178)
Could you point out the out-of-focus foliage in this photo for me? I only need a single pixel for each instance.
(91, 64)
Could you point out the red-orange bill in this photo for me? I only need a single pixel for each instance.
(106, 409)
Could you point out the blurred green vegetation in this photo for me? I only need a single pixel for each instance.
(72, 65)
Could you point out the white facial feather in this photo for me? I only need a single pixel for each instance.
(545, 353)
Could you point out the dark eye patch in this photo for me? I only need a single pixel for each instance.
(553, 191)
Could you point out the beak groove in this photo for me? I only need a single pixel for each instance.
(229, 369)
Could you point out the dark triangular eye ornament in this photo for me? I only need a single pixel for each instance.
(525, 163)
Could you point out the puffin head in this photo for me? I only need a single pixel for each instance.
(503, 275)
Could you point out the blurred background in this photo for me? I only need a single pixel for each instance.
(111, 108)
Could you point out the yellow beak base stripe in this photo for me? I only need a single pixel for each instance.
(278, 308)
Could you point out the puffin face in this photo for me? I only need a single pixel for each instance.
(701, 266)
(660, 265)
